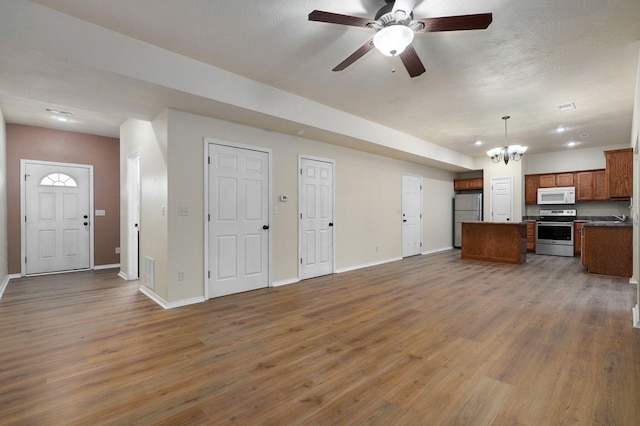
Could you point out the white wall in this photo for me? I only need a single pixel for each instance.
(568, 160)
(150, 141)
(368, 193)
(4, 268)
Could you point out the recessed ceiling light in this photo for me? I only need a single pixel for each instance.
(300, 132)
(61, 118)
(567, 107)
(478, 142)
(561, 129)
(572, 144)
(585, 135)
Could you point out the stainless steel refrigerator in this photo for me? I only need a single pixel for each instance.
(466, 207)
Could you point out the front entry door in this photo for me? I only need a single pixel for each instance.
(316, 195)
(57, 217)
(238, 181)
(411, 215)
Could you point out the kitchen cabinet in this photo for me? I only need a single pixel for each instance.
(531, 235)
(564, 179)
(494, 242)
(547, 181)
(591, 185)
(577, 237)
(468, 184)
(619, 173)
(607, 248)
(531, 184)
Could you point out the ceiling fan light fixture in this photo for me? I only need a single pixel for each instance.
(392, 40)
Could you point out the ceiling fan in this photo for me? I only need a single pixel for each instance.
(395, 27)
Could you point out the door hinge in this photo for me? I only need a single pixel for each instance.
(208, 274)
(301, 261)
(25, 259)
(209, 160)
(420, 187)
(209, 217)
(420, 215)
(300, 216)
(420, 244)
(301, 171)
(25, 219)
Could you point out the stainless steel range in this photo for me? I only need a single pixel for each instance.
(554, 232)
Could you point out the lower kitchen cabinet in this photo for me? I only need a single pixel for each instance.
(607, 249)
(577, 237)
(531, 235)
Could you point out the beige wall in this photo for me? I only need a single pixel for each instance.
(500, 170)
(635, 142)
(4, 266)
(36, 143)
(368, 193)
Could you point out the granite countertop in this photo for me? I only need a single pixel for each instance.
(608, 223)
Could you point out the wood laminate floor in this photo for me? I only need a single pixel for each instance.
(430, 340)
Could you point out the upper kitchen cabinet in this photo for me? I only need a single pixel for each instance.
(468, 184)
(552, 180)
(619, 173)
(531, 184)
(590, 186)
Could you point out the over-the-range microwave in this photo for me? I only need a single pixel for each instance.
(559, 195)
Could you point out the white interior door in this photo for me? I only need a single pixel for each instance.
(238, 219)
(502, 199)
(133, 225)
(411, 215)
(57, 217)
(316, 207)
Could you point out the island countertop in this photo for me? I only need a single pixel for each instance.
(501, 242)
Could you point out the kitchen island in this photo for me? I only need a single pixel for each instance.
(494, 242)
(607, 248)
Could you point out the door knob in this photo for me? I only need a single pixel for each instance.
(86, 223)
(330, 223)
(86, 217)
(404, 220)
(265, 227)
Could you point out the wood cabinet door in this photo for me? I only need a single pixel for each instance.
(585, 186)
(564, 179)
(577, 237)
(476, 183)
(531, 183)
(619, 172)
(547, 181)
(600, 188)
(460, 184)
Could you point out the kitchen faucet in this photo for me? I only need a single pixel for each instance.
(622, 218)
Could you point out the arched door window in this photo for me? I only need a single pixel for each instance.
(58, 179)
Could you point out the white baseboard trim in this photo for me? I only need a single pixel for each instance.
(437, 250)
(123, 275)
(633, 281)
(5, 282)
(367, 265)
(636, 317)
(285, 282)
(169, 305)
(113, 265)
(3, 286)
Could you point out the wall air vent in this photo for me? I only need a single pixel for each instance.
(150, 272)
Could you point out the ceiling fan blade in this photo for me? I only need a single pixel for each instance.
(354, 56)
(412, 62)
(478, 21)
(403, 5)
(336, 18)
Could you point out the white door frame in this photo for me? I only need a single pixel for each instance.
(492, 180)
(214, 141)
(23, 229)
(421, 211)
(133, 216)
(333, 213)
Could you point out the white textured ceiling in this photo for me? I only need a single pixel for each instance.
(534, 56)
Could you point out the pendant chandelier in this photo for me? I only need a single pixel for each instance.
(507, 152)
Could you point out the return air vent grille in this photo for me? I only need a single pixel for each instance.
(150, 272)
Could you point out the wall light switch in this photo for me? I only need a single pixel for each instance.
(100, 212)
(183, 211)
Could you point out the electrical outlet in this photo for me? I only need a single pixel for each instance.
(180, 275)
(117, 250)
